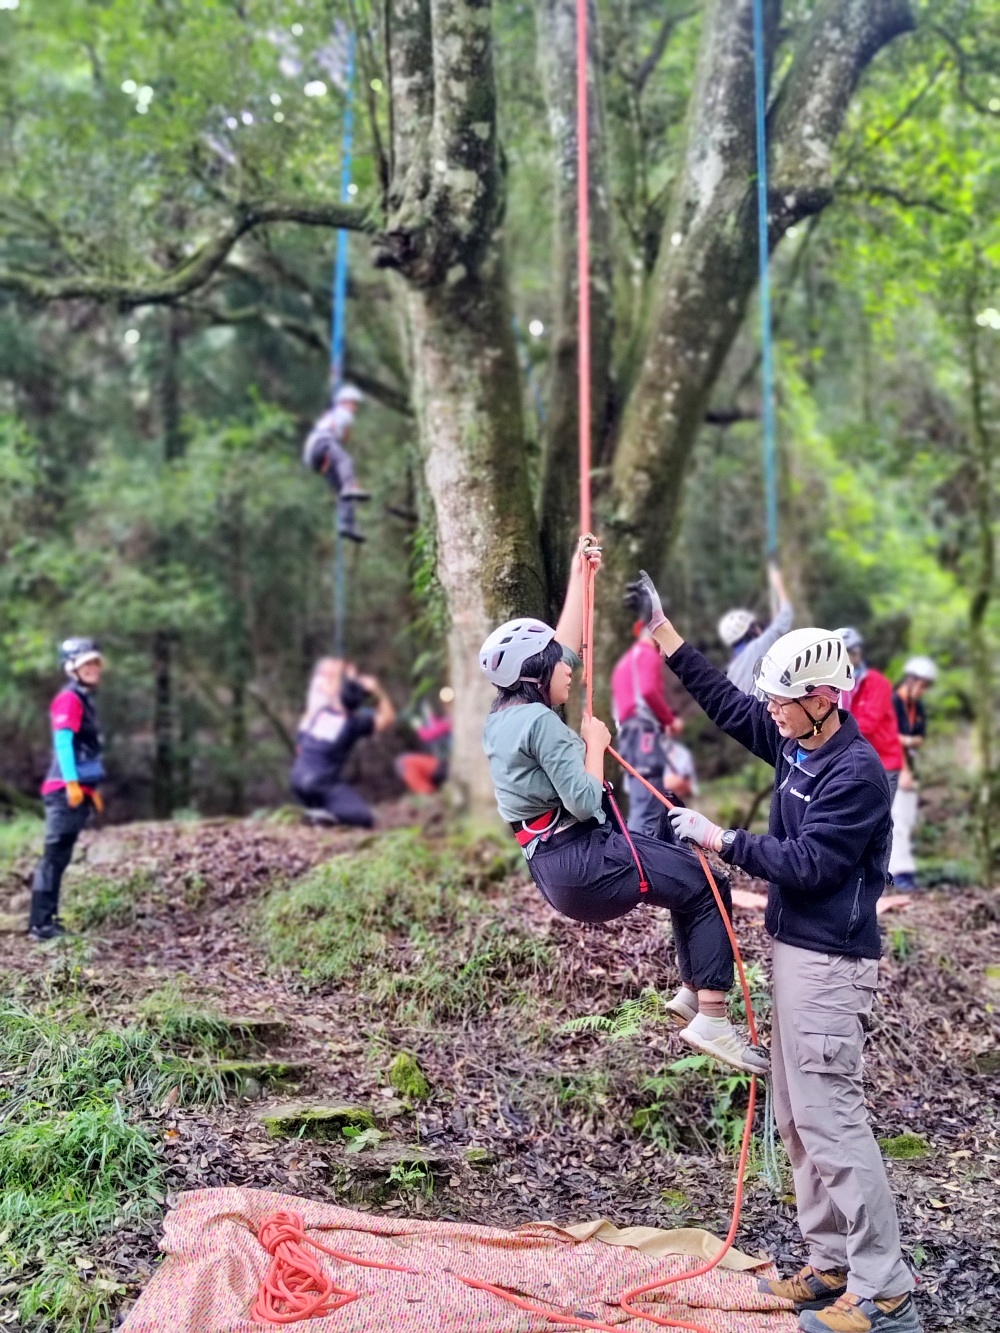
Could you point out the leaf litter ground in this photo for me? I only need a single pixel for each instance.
(553, 1113)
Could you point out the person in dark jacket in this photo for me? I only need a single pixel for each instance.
(335, 719)
(69, 792)
(824, 856)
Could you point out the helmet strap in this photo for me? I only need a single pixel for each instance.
(817, 726)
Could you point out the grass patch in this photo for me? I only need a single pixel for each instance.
(349, 917)
(77, 1157)
(93, 900)
(180, 1023)
(20, 844)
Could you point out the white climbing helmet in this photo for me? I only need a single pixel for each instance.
(921, 667)
(348, 393)
(802, 661)
(503, 655)
(734, 625)
(852, 637)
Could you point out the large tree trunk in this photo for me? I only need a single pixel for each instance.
(444, 208)
(707, 264)
(982, 459)
(559, 498)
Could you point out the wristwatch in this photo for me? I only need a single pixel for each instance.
(728, 838)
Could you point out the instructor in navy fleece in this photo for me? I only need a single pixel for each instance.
(824, 855)
(69, 792)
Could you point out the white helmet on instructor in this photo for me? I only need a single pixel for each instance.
(503, 655)
(801, 662)
(348, 393)
(922, 668)
(735, 625)
(852, 638)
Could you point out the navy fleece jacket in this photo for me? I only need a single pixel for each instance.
(827, 845)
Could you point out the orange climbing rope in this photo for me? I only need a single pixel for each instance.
(296, 1286)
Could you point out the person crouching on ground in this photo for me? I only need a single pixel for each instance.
(549, 786)
(334, 721)
(825, 859)
(69, 792)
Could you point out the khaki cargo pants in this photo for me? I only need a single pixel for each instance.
(822, 1006)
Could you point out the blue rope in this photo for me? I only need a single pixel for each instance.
(340, 267)
(766, 332)
(337, 335)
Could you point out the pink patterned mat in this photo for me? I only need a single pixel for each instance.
(214, 1265)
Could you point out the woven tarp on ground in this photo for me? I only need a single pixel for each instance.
(214, 1265)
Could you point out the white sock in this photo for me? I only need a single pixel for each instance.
(709, 1027)
(686, 995)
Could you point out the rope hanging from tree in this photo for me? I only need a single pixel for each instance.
(337, 335)
(763, 254)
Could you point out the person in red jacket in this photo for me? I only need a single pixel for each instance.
(871, 704)
(646, 722)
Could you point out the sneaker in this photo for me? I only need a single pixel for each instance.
(722, 1042)
(857, 1314)
(683, 1007)
(352, 536)
(52, 930)
(905, 883)
(809, 1289)
(356, 494)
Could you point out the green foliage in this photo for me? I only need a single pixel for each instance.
(722, 1092)
(93, 899)
(178, 1022)
(360, 1139)
(627, 1020)
(412, 1177)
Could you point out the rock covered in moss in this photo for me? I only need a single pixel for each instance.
(314, 1120)
(406, 1076)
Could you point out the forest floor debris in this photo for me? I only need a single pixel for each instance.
(463, 968)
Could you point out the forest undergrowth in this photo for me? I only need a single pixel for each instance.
(450, 1047)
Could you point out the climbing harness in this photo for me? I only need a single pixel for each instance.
(763, 247)
(337, 336)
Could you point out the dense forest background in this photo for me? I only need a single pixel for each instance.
(169, 193)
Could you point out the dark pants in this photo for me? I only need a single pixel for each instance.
(589, 874)
(339, 800)
(340, 475)
(644, 810)
(63, 825)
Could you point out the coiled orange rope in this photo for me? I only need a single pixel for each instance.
(296, 1286)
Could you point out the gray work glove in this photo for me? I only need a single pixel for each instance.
(690, 826)
(656, 617)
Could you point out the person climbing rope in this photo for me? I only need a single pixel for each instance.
(747, 639)
(325, 451)
(824, 856)
(69, 792)
(870, 704)
(549, 785)
(646, 723)
(334, 721)
(919, 674)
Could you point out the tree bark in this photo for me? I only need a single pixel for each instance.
(707, 264)
(559, 497)
(445, 206)
(988, 796)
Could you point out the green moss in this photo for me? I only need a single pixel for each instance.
(480, 1158)
(676, 1200)
(406, 1076)
(905, 1147)
(315, 1121)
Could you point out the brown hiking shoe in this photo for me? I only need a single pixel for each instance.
(858, 1314)
(810, 1289)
